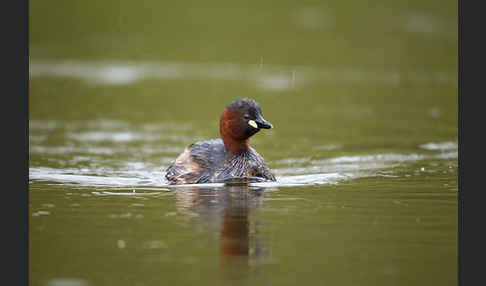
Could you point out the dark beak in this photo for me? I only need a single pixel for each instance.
(262, 123)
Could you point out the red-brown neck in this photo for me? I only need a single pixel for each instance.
(229, 127)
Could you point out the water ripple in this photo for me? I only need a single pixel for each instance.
(292, 171)
(268, 77)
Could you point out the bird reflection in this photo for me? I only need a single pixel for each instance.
(230, 207)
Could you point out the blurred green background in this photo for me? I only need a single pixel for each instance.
(375, 34)
(375, 65)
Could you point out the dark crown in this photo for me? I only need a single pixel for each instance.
(241, 103)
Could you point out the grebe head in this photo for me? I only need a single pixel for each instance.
(241, 119)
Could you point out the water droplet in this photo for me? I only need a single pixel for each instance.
(121, 244)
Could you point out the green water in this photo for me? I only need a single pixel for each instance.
(363, 98)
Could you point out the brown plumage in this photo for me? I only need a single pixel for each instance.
(229, 159)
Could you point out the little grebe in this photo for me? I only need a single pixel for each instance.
(229, 159)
